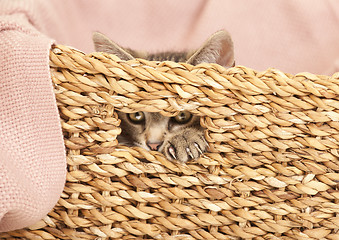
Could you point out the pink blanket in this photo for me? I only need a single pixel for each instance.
(293, 36)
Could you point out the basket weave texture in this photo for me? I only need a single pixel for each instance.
(271, 171)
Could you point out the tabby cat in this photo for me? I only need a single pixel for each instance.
(181, 137)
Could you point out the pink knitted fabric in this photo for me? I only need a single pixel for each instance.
(32, 156)
(293, 36)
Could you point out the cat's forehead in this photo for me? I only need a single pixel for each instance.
(155, 116)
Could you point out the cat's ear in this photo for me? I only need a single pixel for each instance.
(104, 44)
(217, 49)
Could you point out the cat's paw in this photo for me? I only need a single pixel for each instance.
(185, 146)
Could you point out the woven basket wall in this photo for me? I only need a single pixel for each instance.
(271, 171)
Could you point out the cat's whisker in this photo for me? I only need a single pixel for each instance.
(189, 152)
(205, 141)
(198, 148)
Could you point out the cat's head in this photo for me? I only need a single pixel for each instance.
(180, 137)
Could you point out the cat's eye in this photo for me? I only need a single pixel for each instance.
(137, 117)
(183, 117)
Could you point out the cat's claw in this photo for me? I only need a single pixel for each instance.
(172, 152)
(189, 153)
(198, 148)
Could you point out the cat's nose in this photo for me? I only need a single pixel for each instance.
(154, 145)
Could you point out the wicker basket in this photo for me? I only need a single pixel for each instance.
(271, 171)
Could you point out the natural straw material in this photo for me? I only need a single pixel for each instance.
(271, 171)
